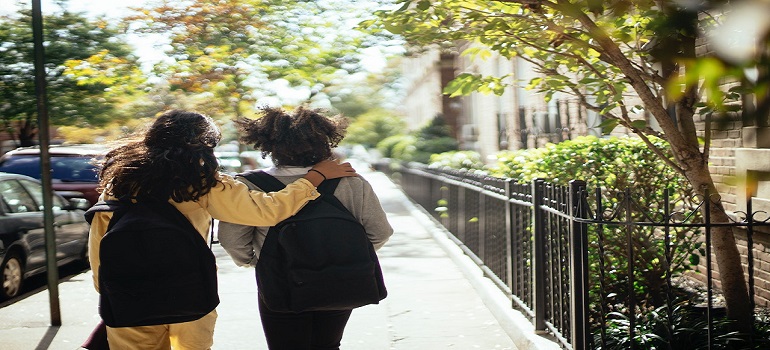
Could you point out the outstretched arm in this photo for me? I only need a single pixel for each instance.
(232, 201)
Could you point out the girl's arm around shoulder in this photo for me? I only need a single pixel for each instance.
(234, 202)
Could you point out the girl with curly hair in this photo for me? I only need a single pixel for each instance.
(174, 161)
(295, 142)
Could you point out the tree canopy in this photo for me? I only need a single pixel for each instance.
(89, 69)
(236, 50)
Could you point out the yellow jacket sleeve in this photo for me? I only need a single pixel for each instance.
(98, 228)
(232, 201)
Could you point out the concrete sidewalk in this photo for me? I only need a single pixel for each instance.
(437, 299)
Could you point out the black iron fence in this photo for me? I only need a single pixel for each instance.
(583, 266)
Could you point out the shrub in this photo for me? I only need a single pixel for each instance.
(432, 138)
(392, 147)
(465, 160)
(685, 328)
(371, 128)
(616, 165)
(425, 148)
(404, 149)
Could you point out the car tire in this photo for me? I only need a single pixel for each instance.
(12, 276)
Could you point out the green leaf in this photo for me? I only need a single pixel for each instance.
(534, 83)
(423, 5)
(463, 84)
(549, 95)
(405, 6)
(608, 108)
(474, 52)
(395, 29)
(694, 259)
(586, 81)
(608, 125)
(639, 124)
(469, 87)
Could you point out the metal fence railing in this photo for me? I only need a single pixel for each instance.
(578, 264)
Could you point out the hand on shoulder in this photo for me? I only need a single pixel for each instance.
(329, 169)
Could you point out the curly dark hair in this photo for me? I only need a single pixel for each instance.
(303, 138)
(173, 159)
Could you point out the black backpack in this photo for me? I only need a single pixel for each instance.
(155, 267)
(319, 259)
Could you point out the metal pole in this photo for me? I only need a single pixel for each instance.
(511, 247)
(631, 271)
(578, 242)
(538, 257)
(45, 163)
(482, 224)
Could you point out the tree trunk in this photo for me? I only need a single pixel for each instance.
(725, 250)
(730, 271)
(27, 132)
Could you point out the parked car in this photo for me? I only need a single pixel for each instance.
(229, 162)
(237, 162)
(72, 171)
(253, 160)
(22, 232)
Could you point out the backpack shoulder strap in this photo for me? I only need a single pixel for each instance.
(269, 183)
(328, 186)
(327, 194)
(170, 212)
(103, 205)
(264, 180)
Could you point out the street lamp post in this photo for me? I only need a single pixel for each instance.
(45, 163)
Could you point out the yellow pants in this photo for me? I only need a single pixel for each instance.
(193, 335)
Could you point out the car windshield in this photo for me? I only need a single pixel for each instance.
(66, 169)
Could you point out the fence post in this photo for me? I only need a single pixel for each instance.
(538, 256)
(427, 201)
(461, 215)
(509, 236)
(578, 241)
(482, 223)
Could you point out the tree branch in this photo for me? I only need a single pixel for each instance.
(635, 79)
